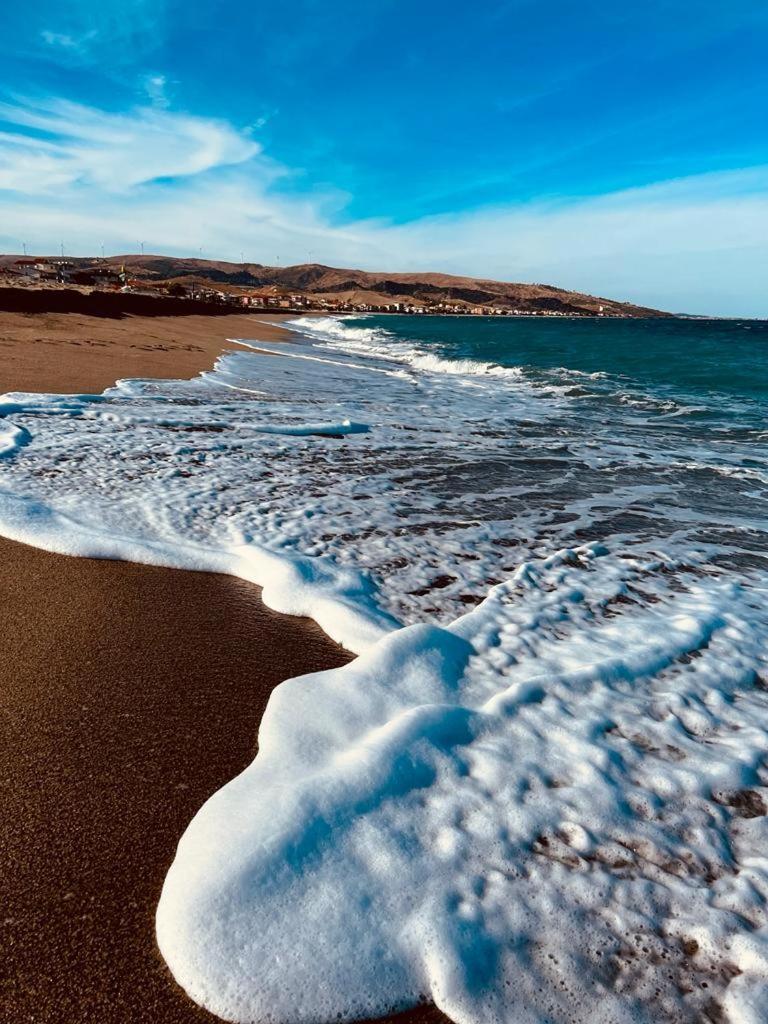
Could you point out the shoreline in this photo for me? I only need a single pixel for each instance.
(131, 694)
(68, 353)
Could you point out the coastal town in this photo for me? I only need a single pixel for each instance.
(109, 275)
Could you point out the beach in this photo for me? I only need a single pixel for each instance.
(130, 694)
(384, 514)
(539, 791)
(68, 353)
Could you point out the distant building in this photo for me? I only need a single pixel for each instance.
(27, 268)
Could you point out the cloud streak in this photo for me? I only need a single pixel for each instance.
(182, 183)
(109, 35)
(58, 145)
(72, 43)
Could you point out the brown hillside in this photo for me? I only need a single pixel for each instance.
(377, 287)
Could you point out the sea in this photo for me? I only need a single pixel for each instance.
(540, 792)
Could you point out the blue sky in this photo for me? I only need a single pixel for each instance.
(619, 148)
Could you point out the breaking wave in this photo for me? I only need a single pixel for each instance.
(540, 793)
(337, 334)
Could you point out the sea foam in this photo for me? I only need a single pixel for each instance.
(539, 813)
(336, 333)
(538, 793)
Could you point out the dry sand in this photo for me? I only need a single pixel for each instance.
(70, 353)
(129, 694)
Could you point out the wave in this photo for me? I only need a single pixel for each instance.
(537, 794)
(500, 816)
(336, 333)
(338, 327)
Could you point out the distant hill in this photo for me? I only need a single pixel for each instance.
(361, 286)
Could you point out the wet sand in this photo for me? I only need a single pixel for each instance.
(129, 694)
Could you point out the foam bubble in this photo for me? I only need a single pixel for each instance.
(548, 841)
(538, 794)
(338, 334)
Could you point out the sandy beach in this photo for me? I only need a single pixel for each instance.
(69, 353)
(129, 695)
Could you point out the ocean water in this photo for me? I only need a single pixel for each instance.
(673, 355)
(539, 793)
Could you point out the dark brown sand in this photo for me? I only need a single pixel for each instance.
(128, 694)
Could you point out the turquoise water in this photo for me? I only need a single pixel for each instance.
(564, 750)
(704, 356)
(565, 746)
(619, 431)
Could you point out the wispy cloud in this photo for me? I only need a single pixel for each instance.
(78, 44)
(182, 183)
(58, 145)
(155, 87)
(695, 244)
(109, 36)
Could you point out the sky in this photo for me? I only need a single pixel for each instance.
(616, 147)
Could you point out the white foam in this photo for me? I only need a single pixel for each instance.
(376, 341)
(533, 810)
(523, 817)
(11, 439)
(341, 600)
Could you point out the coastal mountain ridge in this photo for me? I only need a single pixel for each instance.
(361, 286)
(380, 287)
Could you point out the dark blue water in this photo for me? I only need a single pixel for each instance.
(689, 356)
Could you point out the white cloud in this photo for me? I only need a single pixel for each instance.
(181, 183)
(155, 87)
(80, 146)
(696, 244)
(77, 43)
(112, 35)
